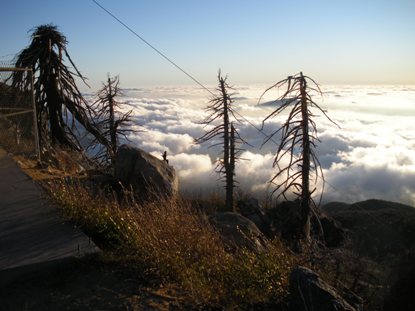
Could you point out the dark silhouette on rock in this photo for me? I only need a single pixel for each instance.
(146, 175)
(165, 157)
(328, 230)
(285, 219)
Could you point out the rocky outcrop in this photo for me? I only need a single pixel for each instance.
(333, 233)
(251, 209)
(146, 175)
(285, 219)
(309, 292)
(402, 279)
(237, 232)
(380, 230)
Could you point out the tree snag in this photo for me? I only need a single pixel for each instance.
(298, 141)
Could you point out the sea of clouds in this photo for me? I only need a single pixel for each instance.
(370, 155)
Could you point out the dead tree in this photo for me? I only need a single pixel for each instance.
(220, 113)
(298, 141)
(109, 121)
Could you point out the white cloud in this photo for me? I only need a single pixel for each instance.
(196, 173)
(370, 156)
(360, 182)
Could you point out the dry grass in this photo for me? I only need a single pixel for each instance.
(171, 241)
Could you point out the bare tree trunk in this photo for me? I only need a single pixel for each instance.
(226, 164)
(220, 109)
(112, 126)
(298, 135)
(231, 173)
(305, 169)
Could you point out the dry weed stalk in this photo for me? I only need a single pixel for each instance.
(171, 241)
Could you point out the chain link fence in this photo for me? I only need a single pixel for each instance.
(18, 126)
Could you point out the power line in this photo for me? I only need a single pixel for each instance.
(257, 128)
(152, 46)
(177, 66)
(203, 86)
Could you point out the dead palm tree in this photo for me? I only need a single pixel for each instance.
(298, 136)
(59, 102)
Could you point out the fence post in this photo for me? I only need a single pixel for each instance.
(36, 129)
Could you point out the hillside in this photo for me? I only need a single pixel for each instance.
(381, 230)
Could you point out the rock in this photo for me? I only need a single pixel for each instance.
(238, 231)
(65, 160)
(285, 219)
(380, 230)
(402, 279)
(252, 210)
(104, 184)
(309, 292)
(145, 174)
(334, 234)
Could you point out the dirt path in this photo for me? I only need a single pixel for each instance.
(31, 230)
(48, 264)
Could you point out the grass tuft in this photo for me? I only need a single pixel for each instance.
(171, 241)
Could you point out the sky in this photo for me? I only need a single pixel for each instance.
(335, 42)
(361, 53)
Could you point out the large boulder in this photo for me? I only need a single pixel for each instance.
(146, 175)
(309, 292)
(251, 209)
(238, 232)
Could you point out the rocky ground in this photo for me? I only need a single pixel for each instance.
(88, 284)
(380, 252)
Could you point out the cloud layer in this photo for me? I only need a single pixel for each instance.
(371, 155)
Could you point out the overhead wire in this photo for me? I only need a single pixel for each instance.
(179, 67)
(152, 47)
(176, 65)
(200, 84)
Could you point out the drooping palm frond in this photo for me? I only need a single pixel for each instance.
(60, 104)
